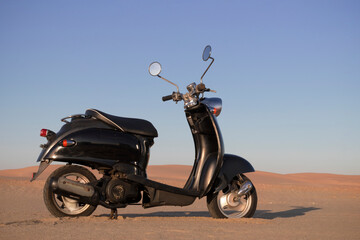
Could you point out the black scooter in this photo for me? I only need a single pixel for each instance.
(119, 149)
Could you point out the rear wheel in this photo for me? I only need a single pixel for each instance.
(226, 203)
(61, 206)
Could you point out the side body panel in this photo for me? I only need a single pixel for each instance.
(99, 146)
(103, 147)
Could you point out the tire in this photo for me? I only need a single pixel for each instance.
(244, 207)
(60, 206)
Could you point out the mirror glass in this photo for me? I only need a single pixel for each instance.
(206, 53)
(155, 69)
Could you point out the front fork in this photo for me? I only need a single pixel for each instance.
(244, 187)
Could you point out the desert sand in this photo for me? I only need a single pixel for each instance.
(291, 206)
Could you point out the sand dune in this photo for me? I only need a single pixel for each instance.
(180, 173)
(291, 206)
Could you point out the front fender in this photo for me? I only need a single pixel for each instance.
(232, 165)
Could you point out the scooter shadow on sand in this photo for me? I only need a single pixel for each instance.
(163, 214)
(294, 212)
(260, 214)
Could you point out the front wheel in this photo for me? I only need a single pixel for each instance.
(226, 203)
(61, 206)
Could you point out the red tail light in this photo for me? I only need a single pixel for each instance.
(44, 132)
(50, 135)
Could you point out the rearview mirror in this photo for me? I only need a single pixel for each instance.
(207, 53)
(155, 69)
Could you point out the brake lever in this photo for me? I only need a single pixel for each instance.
(209, 90)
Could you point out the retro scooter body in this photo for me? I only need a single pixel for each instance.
(119, 148)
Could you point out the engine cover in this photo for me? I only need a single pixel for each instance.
(120, 191)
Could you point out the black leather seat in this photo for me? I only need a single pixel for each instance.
(130, 125)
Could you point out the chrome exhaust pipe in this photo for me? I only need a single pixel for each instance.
(75, 187)
(82, 192)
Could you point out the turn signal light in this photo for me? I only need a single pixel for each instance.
(67, 143)
(216, 111)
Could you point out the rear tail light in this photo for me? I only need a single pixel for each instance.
(44, 132)
(50, 135)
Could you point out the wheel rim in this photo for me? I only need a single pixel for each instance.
(67, 205)
(233, 207)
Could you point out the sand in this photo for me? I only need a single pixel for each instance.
(291, 206)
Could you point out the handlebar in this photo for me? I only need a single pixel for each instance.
(167, 98)
(177, 96)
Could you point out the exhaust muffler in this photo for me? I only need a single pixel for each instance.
(84, 193)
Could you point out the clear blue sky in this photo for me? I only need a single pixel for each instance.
(288, 73)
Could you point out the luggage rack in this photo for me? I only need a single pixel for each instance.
(74, 117)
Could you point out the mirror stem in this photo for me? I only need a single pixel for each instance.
(170, 83)
(207, 68)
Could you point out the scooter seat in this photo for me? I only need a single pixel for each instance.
(130, 125)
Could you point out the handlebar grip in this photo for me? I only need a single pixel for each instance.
(167, 98)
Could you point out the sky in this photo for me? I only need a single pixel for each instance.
(288, 73)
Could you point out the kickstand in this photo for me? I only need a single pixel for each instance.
(113, 214)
